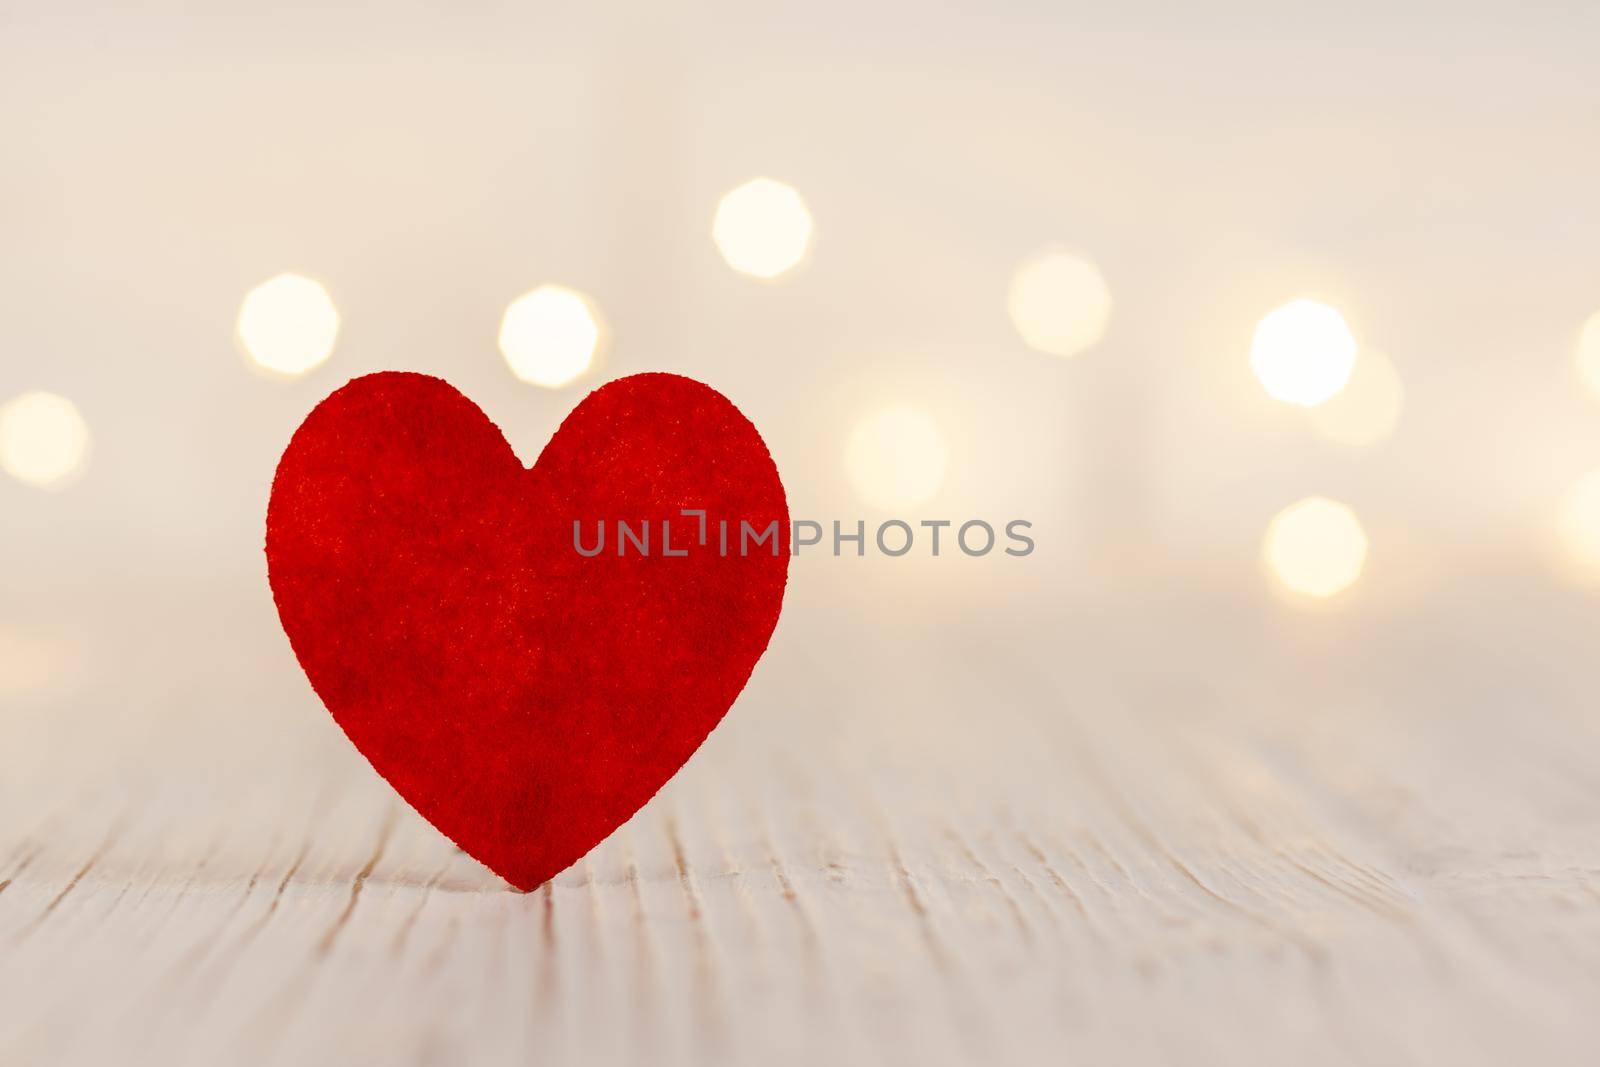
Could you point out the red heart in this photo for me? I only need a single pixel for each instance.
(524, 698)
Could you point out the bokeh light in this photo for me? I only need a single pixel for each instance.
(1315, 548)
(897, 458)
(1368, 409)
(1579, 526)
(549, 336)
(1060, 303)
(1588, 354)
(44, 442)
(288, 324)
(32, 664)
(762, 228)
(1303, 353)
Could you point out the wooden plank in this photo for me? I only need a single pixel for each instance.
(885, 855)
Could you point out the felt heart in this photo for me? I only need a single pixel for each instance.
(524, 697)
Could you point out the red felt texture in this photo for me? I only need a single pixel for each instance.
(526, 700)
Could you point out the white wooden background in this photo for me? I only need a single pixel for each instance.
(1152, 828)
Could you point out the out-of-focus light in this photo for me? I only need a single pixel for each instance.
(31, 664)
(1368, 409)
(1316, 547)
(897, 458)
(1303, 353)
(1588, 354)
(1579, 525)
(549, 336)
(762, 228)
(43, 439)
(1060, 303)
(288, 324)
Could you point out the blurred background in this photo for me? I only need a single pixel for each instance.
(1270, 314)
(1420, 169)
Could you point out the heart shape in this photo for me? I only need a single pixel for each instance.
(525, 698)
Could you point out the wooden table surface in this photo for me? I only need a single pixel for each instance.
(1191, 827)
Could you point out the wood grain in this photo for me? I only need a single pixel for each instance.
(1121, 834)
